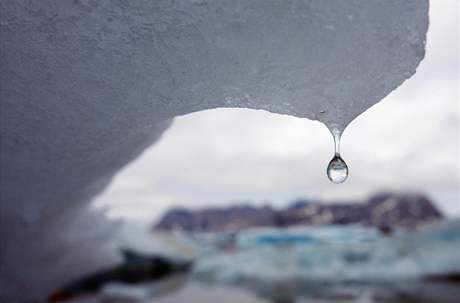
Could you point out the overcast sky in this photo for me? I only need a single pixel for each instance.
(408, 141)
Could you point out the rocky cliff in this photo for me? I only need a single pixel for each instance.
(404, 210)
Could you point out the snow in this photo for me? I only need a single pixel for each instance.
(86, 86)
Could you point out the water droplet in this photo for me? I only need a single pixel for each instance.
(337, 170)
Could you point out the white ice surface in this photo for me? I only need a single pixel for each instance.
(87, 85)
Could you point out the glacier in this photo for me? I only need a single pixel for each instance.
(87, 85)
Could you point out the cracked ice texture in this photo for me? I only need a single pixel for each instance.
(87, 85)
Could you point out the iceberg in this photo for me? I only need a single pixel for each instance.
(86, 86)
(336, 260)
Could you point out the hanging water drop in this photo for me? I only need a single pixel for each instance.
(337, 170)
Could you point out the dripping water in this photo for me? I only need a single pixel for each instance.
(337, 170)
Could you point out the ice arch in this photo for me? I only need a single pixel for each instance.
(86, 85)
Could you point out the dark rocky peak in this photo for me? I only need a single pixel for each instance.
(388, 209)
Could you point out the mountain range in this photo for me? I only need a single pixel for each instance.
(383, 210)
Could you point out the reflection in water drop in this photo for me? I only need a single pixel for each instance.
(337, 170)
